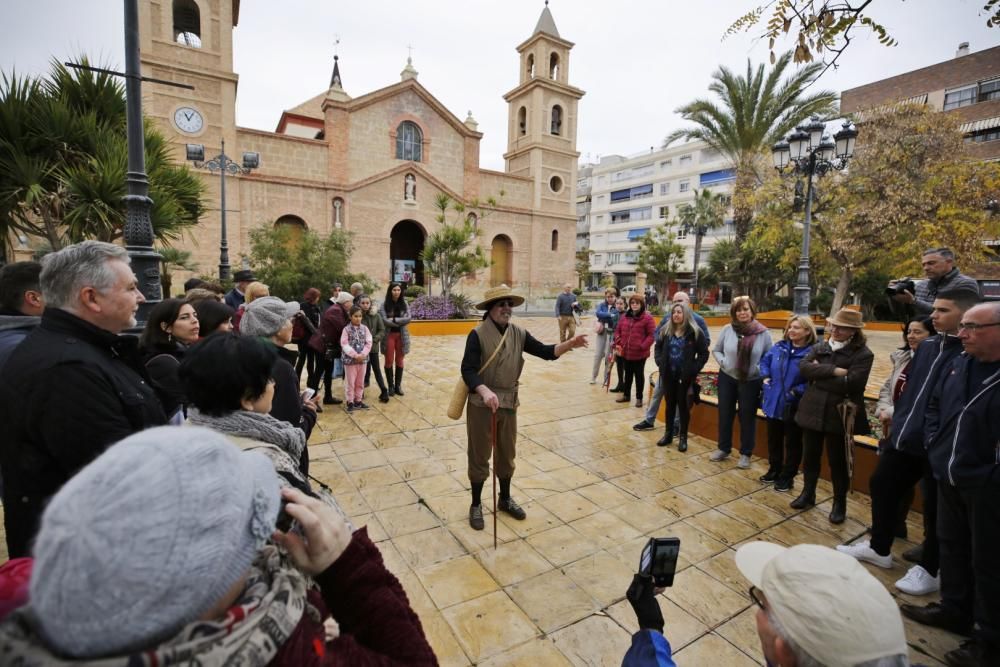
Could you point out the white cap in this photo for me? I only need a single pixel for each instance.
(826, 601)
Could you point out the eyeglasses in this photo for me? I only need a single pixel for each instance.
(755, 595)
(972, 327)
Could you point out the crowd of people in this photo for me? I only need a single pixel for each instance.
(275, 573)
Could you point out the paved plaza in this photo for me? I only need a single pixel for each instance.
(594, 490)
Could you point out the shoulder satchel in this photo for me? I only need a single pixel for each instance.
(460, 393)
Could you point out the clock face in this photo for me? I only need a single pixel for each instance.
(188, 119)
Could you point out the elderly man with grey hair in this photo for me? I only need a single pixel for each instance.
(74, 386)
(941, 274)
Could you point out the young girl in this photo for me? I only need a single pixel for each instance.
(375, 325)
(617, 361)
(355, 344)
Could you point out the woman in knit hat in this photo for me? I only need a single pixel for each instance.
(174, 568)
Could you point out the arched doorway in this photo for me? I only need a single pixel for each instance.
(294, 227)
(502, 254)
(405, 245)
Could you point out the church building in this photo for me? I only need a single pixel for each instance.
(373, 164)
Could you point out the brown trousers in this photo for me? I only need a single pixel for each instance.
(567, 327)
(477, 428)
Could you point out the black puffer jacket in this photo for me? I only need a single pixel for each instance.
(818, 407)
(67, 392)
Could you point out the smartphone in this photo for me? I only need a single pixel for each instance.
(308, 393)
(659, 560)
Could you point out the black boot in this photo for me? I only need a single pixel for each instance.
(682, 443)
(328, 397)
(839, 511)
(808, 496)
(667, 438)
(399, 381)
(390, 388)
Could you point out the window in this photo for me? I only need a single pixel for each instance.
(708, 155)
(555, 184)
(600, 199)
(989, 90)
(664, 188)
(666, 164)
(638, 192)
(983, 135)
(554, 67)
(599, 218)
(614, 258)
(636, 234)
(409, 141)
(187, 23)
(684, 186)
(598, 260)
(710, 178)
(682, 232)
(632, 215)
(531, 65)
(664, 212)
(643, 170)
(962, 97)
(556, 120)
(522, 121)
(685, 160)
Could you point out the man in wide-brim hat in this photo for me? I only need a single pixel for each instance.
(493, 390)
(235, 298)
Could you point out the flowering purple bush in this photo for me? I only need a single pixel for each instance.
(424, 307)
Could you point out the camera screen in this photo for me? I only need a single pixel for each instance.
(666, 558)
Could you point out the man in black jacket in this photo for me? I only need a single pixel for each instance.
(962, 424)
(74, 386)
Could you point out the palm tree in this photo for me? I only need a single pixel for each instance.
(171, 259)
(752, 113)
(63, 157)
(706, 213)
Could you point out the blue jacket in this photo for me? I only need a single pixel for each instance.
(781, 365)
(933, 356)
(608, 315)
(963, 423)
(649, 649)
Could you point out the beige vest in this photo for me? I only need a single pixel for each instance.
(501, 376)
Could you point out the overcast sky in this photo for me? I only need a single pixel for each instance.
(638, 60)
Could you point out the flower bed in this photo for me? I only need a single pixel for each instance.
(453, 307)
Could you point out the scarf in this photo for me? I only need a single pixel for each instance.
(254, 629)
(256, 426)
(747, 334)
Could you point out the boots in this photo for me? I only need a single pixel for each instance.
(390, 387)
(808, 496)
(839, 511)
(399, 381)
(682, 444)
(328, 397)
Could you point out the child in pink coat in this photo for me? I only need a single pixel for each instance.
(355, 344)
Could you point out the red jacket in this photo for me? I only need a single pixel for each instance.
(635, 335)
(331, 325)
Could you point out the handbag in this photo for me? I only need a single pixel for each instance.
(460, 394)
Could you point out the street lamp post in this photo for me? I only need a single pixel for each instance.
(808, 150)
(222, 164)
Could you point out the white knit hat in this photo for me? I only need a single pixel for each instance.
(147, 538)
(826, 601)
(265, 316)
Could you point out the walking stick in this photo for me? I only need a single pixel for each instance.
(493, 446)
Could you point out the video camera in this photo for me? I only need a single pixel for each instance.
(897, 287)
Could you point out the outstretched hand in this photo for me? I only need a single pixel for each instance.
(580, 340)
(326, 533)
(641, 595)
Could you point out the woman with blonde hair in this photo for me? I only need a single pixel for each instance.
(783, 388)
(680, 352)
(741, 345)
(255, 290)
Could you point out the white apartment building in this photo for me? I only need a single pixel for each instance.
(630, 196)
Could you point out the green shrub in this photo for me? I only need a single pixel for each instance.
(413, 291)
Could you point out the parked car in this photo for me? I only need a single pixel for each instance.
(628, 289)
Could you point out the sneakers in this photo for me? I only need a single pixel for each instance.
(918, 582)
(361, 405)
(511, 507)
(622, 399)
(643, 426)
(770, 477)
(476, 517)
(638, 402)
(593, 381)
(864, 552)
(718, 455)
(783, 485)
(350, 407)
(744, 461)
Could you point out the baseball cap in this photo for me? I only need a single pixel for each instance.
(826, 601)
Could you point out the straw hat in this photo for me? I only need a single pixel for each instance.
(496, 294)
(846, 317)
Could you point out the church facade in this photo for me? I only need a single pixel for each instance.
(373, 164)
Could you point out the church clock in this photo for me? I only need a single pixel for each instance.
(189, 120)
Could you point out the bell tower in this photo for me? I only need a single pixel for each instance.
(190, 42)
(542, 116)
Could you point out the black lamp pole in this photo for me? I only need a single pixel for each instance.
(222, 163)
(809, 151)
(138, 230)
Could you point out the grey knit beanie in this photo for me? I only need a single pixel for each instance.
(147, 538)
(265, 316)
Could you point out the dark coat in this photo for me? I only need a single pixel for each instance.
(693, 360)
(963, 423)
(331, 325)
(818, 407)
(234, 299)
(68, 392)
(162, 363)
(287, 403)
(635, 335)
(780, 364)
(14, 328)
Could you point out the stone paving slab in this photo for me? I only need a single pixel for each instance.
(553, 592)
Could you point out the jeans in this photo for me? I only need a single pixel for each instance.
(895, 475)
(957, 514)
(394, 349)
(747, 394)
(602, 345)
(634, 371)
(677, 401)
(374, 366)
(784, 448)
(836, 456)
